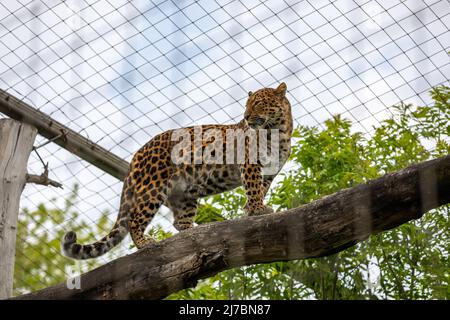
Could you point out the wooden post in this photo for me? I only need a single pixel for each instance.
(16, 143)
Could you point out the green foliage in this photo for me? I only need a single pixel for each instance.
(158, 233)
(409, 262)
(208, 213)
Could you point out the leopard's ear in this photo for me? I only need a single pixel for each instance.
(250, 93)
(281, 90)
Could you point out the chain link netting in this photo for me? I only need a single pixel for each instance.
(119, 72)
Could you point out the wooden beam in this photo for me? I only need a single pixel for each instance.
(16, 143)
(68, 139)
(323, 227)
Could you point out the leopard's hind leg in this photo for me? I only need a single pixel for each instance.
(152, 180)
(183, 213)
(147, 205)
(182, 199)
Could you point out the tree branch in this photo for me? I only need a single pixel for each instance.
(43, 180)
(323, 227)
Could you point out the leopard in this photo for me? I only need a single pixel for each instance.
(176, 173)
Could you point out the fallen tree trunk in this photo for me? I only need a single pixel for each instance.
(320, 228)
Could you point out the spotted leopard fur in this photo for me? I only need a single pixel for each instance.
(154, 179)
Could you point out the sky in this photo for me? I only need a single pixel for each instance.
(120, 72)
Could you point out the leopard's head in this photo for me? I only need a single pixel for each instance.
(266, 107)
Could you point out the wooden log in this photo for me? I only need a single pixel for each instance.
(323, 227)
(16, 143)
(63, 136)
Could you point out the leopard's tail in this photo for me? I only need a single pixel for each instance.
(72, 249)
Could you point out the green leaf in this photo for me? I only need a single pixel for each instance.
(208, 213)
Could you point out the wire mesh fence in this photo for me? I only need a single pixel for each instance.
(119, 72)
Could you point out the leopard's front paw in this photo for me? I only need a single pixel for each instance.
(258, 211)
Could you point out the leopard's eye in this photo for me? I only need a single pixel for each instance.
(250, 93)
